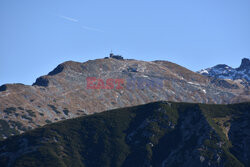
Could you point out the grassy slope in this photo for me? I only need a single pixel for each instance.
(111, 138)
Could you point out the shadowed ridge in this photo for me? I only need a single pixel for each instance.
(41, 81)
(57, 70)
(14, 86)
(154, 134)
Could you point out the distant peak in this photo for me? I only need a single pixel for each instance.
(245, 63)
(222, 66)
(223, 71)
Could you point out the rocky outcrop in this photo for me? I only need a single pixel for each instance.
(41, 81)
(3, 88)
(245, 65)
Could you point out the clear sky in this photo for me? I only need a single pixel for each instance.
(37, 35)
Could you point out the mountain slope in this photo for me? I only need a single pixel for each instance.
(63, 93)
(223, 71)
(155, 134)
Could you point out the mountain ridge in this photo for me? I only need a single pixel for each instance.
(155, 134)
(223, 71)
(63, 93)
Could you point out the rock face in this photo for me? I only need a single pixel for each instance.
(222, 71)
(245, 65)
(64, 93)
(161, 134)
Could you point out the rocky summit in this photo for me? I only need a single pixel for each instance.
(160, 134)
(75, 89)
(223, 71)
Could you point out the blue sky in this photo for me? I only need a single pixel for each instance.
(37, 35)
